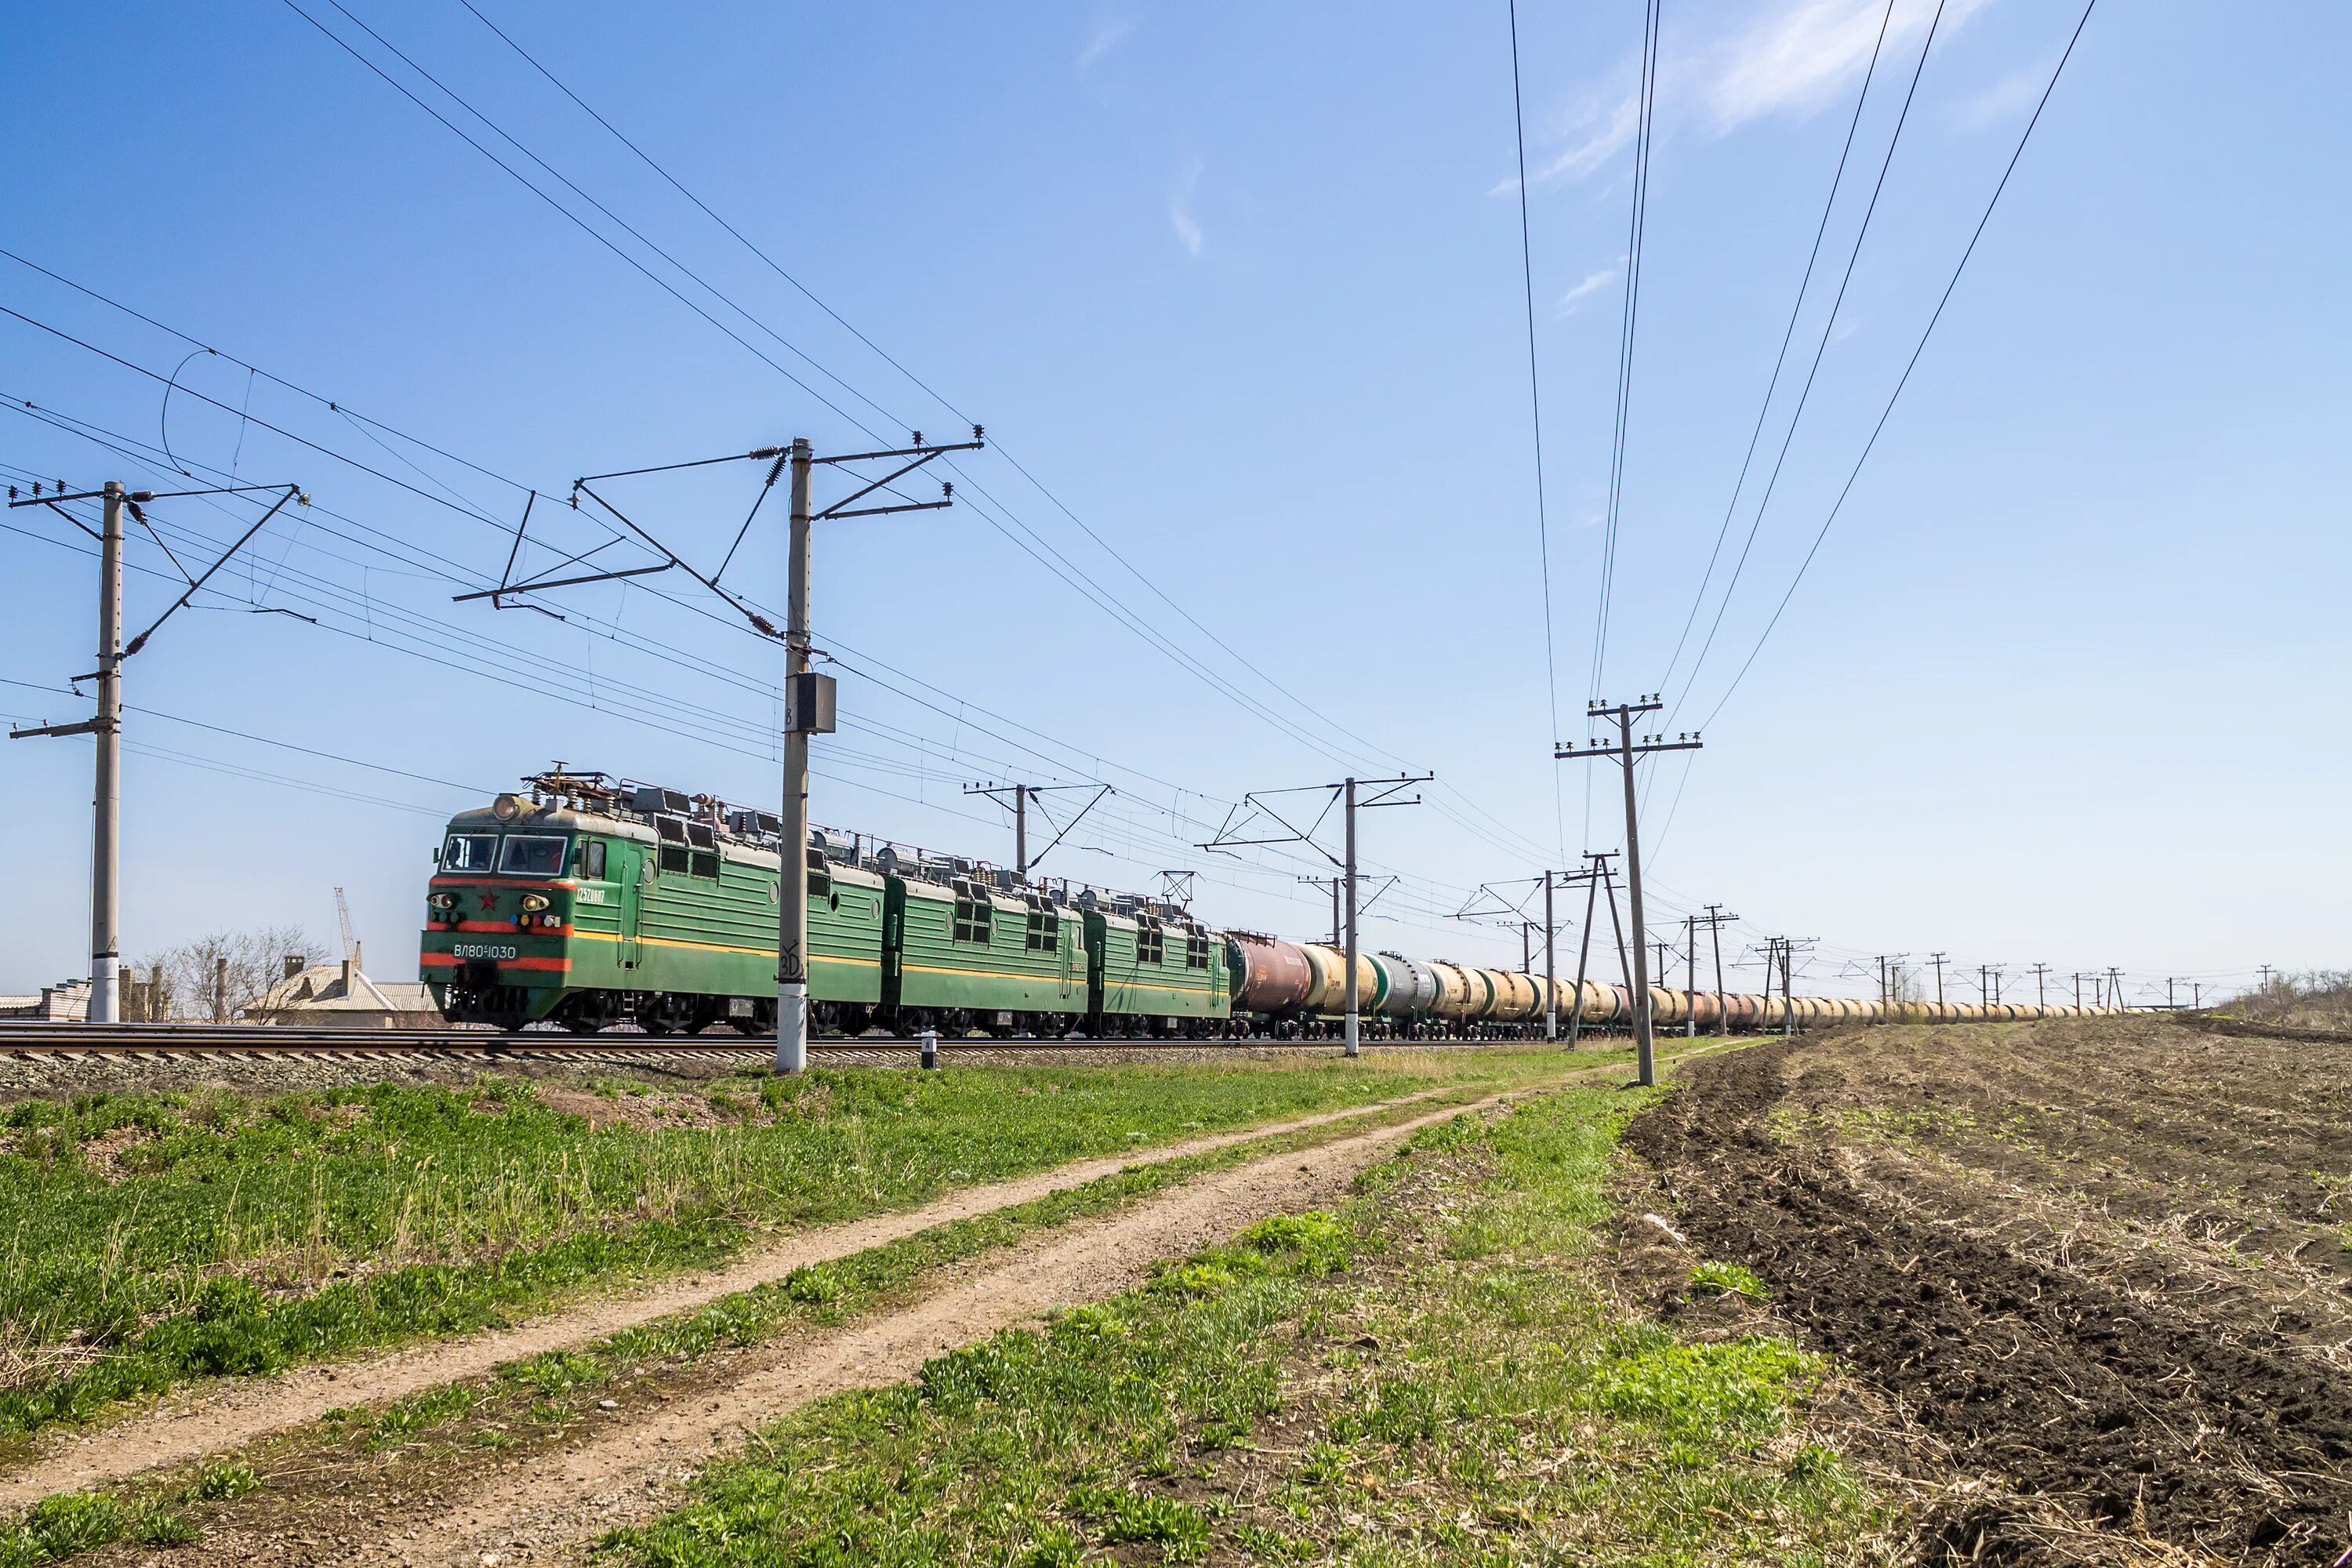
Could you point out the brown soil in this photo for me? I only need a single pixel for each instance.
(2100, 1264)
(626, 1464)
(218, 1418)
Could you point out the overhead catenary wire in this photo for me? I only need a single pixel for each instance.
(1104, 599)
(476, 513)
(1148, 853)
(998, 444)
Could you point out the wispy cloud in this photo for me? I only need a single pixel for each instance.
(1110, 30)
(1595, 135)
(1797, 57)
(1180, 209)
(1573, 301)
(2010, 97)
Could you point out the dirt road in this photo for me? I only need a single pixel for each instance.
(550, 1506)
(2102, 1263)
(220, 1417)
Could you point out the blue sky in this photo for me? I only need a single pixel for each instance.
(1242, 287)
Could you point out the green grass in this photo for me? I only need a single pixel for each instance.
(1429, 1376)
(155, 1238)
(529, 1398)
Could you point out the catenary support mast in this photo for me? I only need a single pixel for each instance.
(792, 915)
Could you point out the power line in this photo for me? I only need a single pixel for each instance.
(1829, 326)
(1910, 365)
(1535, 405)
(1795, 309)
(1628, 319)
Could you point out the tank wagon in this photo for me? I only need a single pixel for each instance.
(591, 904)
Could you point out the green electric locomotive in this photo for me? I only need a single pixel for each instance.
(592, 904)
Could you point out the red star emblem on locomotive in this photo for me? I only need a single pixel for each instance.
(489, 901)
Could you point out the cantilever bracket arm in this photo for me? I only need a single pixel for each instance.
(140, 640)
(1100, 791)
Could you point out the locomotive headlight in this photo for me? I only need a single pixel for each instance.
(534, 901)
(444, 900)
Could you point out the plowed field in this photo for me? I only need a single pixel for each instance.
(2094, 1273)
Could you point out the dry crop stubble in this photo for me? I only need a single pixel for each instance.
(1975, 1221)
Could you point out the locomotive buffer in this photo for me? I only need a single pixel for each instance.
(1625, 750)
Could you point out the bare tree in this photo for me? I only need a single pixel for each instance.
(240, 966)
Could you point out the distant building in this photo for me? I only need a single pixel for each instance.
(66, 1001)
(338, 995)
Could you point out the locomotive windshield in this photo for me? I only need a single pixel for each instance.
(532, 854)
(469, 852)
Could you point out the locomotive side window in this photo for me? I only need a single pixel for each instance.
(532, 854)
(672, 833)
(469, 852)
(592, 860)
(1045, 933)
(1147, 945)
(974, 919)
(1196, 951)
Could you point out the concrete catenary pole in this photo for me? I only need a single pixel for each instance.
(1690, 972)
(791, 917)
(106, 825)
(1354, 1043)
(1715, 933)
(1021, 831)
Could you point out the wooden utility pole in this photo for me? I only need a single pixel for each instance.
(1626, 749)
(2040, 988)
(1938, 960)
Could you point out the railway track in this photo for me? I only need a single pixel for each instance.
(251, 1043)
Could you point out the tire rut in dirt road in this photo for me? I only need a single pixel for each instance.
(553, 1507)
(2214, 1437)
(218, 1417)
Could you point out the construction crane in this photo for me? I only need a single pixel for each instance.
(343, 919)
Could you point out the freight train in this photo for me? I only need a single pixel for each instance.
(593, 903)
